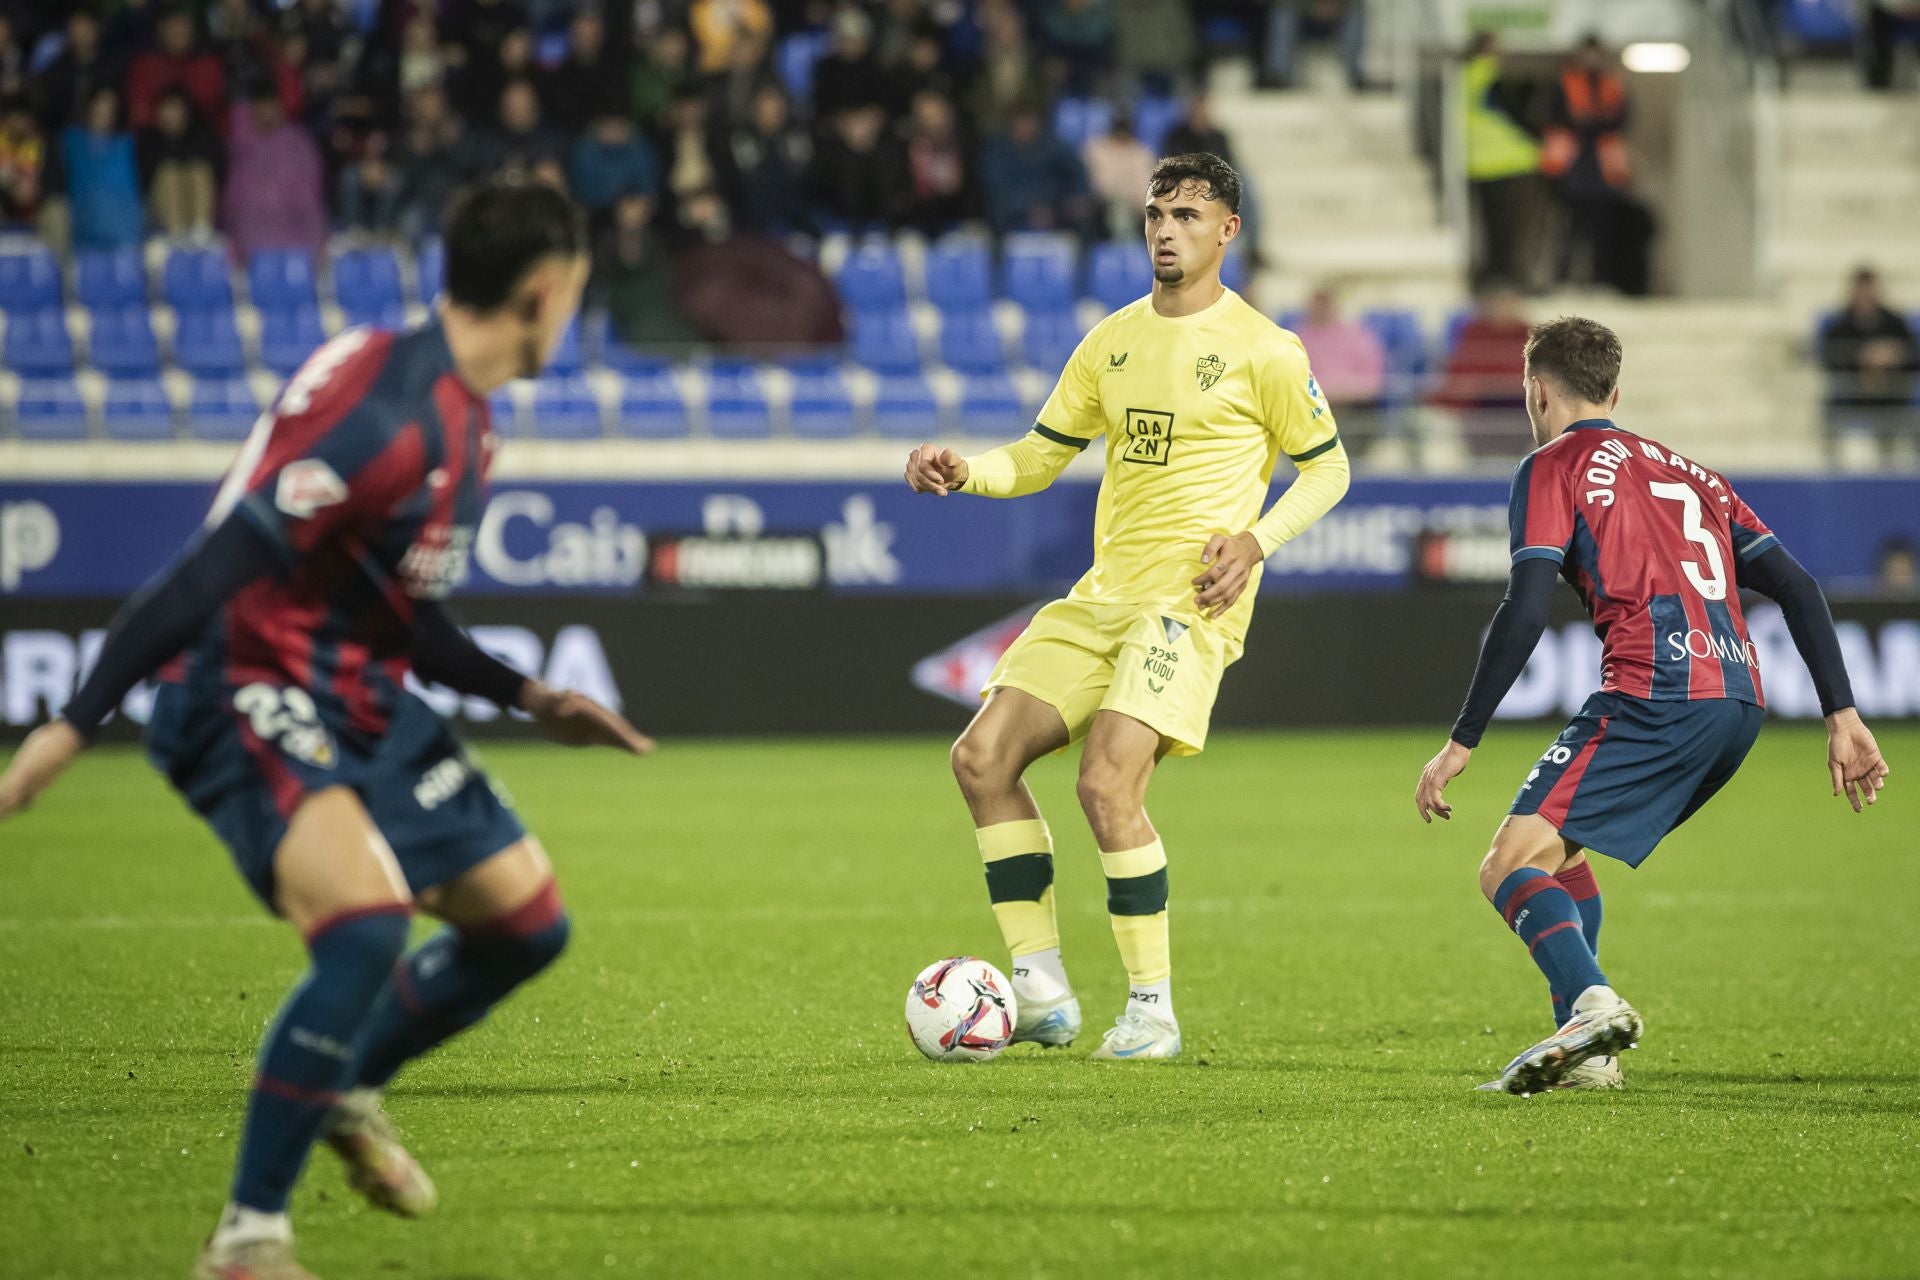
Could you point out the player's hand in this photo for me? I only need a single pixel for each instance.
(575, 720)
(1442, 769)
(931, 469)
(1854, 759)
(1230, 564)
(45, 754)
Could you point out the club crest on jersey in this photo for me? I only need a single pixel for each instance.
(307, 485)
(1209, 370)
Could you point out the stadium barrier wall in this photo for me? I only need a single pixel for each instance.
(813, 663)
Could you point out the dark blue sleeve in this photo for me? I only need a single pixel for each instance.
(443, 653)
(1774, 573)
(1511, 637)
(169, 613)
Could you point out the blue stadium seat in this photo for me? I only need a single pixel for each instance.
(795, 59)
(505, 412)
(959, 275)
(990, 406)
(110, 278)
(1049, 340)
(29, 281)
(1039, 275)
(366, 284)
(282, 280)
(821, 407)
(1456, 323)
(651, 406)
(37, 343)
(1118, 273)
(1399, 332)
(287, 338)
(51, 409)
(1292, 318)
(567, 358)
(121, 341)
(906, 408)
(1153, 120)
(430, 269)
(1233, 270)
(737, 404)
(197, 280)
(221, 409)
(885, 342)
(970, 343)
(137, 409)
(207, 345)
(1078, 120)
(564, 408)
(1820, 22)
(872, 279)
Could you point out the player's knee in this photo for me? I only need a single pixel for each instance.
(977, 765)
(1107, 791)
(1494, 869)
(357, 950)
(527, 940)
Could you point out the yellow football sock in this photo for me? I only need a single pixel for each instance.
(1019, 858)
(1137, 903)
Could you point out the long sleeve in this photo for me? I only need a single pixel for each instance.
(1322, 482)
(1776, 574)
(443, 653)
(1026, 466)
(1515, 630)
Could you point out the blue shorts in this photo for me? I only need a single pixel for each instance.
(1627, 771)
(246, 760)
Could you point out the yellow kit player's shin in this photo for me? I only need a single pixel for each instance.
(1019, 858)
(1137, 901)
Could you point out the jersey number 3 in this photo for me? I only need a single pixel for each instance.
(1712, 583)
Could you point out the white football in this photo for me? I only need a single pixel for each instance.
(960, 1010)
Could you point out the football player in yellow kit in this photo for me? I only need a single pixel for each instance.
(1195, 395)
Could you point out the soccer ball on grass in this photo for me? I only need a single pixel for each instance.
(960, 1010)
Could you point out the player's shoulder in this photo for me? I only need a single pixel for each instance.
(1265, 337)
(375, 379)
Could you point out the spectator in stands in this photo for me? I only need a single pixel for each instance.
(1349, 362)
(687, 164)
(323, 23)
(1079, 40)
(767, 161)
(421, 62)
(1119, 166)
(1884, 23)
(522, 142)
(923, 67)
(15, 61)
(941, 191)
(436, 154)
(632, 281)
(180, 161)
(717, 24)
(102, 181)
(66, 85)
(1480, 385)
(23, 162)
(730, 94)
(849, 76)
(1502, 160)
(1154, 45)
(1198, 132)
(485, 57)
(233, 29)
(1291, 21)
(1008, 77)
(176, 61)
(1584, 153)
(372, 189)
(609, 162)
(660, 74)
(275, 196)
(857, 170)
(591, 82)
(899, 26)
(1872, 362)
(1897, 568)
(1032, 181)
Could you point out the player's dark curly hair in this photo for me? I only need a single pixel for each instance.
(1215, 176)
(1582, 355)
(497, 230)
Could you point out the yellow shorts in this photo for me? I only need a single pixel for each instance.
(1161, 668)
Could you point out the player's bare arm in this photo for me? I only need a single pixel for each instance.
(936, 470)
(1230, 562)
(1854, 759)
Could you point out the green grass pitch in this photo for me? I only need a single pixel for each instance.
(715, 1081)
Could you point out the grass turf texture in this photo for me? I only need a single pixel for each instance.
(715, 1080)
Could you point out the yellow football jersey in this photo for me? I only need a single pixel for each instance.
(1195, 410)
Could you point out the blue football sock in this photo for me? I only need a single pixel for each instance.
(1580, 885)
(1538, 909)
(308, 1056)
(454, 978)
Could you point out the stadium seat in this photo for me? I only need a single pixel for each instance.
(505, 418)
(1233, 270)
(1820, 22)
(287, 338)
(207, 345)
(906, 408)
(366, 284)
(51, 409)
(282, 280)
(796, 58)
(110, 278)
(197, 280)
(1049, 341)
(970, 343)
(1077, 121)
(37, 343)
(885, 342)
(430, 270)
(959, 275)
(221, 409)
(990, 406)
(137, 409)
(1291, 319)
(1153, 120)
(1406, 346)
(565, 408)
(121, 341)
(29, 281)
(1118, 273)
(872, 279)
(1456, 324)
(651, 406)
(736, 403)
(821, 407)
(1039, 275)
(567, 357)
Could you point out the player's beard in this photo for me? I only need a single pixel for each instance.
(1169, 275)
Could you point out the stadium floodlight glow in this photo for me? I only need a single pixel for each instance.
(1655, 57)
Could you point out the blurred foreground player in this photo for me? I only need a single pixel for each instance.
(1657, 546)
(286, 631)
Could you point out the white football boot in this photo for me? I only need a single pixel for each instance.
(1136, 1036)
(1051, 1023)
(249, 1260)
(1594, 1073)
(1602, 1025)
(378, 1166)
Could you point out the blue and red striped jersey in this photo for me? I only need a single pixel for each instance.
(1651, 541)
(369, 475)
